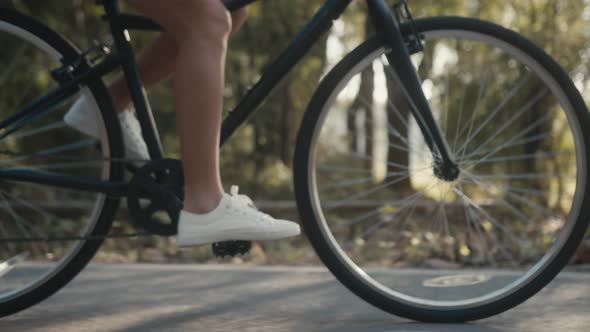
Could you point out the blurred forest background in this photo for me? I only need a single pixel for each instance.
(259, 158)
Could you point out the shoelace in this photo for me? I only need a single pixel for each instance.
(242, 200)
(245, 201)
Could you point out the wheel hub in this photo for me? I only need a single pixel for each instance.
(446, 171)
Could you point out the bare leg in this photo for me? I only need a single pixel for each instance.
(158, 61)
(200, 29)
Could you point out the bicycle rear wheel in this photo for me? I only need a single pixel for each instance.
(31, 266)
(419, 246)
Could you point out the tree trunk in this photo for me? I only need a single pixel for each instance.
(362, 134)
(397, 158)
(398, 116)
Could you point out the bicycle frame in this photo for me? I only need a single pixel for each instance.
(387, 27)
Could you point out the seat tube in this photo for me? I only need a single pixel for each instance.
(399, 59)
(138, 94)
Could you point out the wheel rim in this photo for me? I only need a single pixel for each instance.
(27, 209)
(434, 288)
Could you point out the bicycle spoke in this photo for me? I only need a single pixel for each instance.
(518, 189)
(471, 218)
(21, 222)
(6, 206)
(361, 218)
(10, 68)
(344, 184)
(392, 105)
(488, 216)
(408, 148)
(509, 192)
(366, 193)
(480, 231)
(530, 156)
(441, 210)
(53, 151)
(24, 93)
(389, 163)
(338, 169)
(504, 202)
(390, 129)
(445, 120)
(408, 98)
(520, 142)
(459, 118)
(537, 98)
(40, 130)
(9, 264)
(27, 121)
(515, 89)
(514, 176)
(479, 104)
(372, 229)
(515, 137)
(35, 207)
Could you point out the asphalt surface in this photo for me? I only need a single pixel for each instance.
(126, 298)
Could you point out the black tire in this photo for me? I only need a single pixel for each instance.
(334, 261)
(100, 93)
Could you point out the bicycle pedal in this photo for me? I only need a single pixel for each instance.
(231, 248)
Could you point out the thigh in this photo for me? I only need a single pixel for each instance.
(181, 17)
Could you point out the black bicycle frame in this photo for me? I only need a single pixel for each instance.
(387, 26)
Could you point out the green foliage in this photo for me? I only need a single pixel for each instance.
(262, 151)
(259, 157)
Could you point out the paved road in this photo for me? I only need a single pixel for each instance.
(139, 298)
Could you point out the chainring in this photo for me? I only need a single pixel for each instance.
(155, 197)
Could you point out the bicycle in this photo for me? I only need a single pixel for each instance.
(465, 201)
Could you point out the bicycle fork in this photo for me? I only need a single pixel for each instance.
(387, 26)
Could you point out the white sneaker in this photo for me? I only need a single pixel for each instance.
(235, 219)
(84, 118)
(135, 147)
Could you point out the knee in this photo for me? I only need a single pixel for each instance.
(207, 20)
(238, 19)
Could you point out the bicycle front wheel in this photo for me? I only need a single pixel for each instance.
(402, 237)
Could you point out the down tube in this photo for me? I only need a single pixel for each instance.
(319, 24)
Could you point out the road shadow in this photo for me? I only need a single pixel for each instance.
(145, 300)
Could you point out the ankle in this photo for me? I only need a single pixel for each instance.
(120, 101)
(202, 204)
(121, 107)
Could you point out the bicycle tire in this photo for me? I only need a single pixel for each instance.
(330, 256)
(36, 33)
